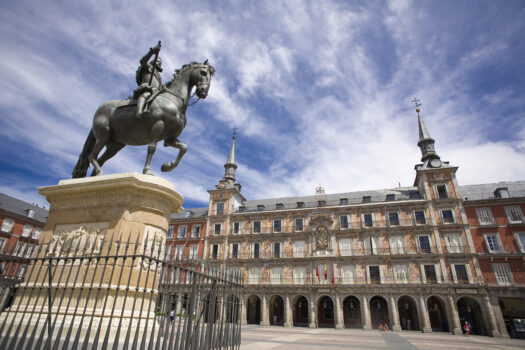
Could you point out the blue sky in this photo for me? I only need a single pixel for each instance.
(319, 90)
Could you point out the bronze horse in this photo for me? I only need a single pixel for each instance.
(115, 124)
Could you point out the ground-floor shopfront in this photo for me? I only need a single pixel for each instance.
(422, 309)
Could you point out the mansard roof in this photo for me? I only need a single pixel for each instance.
(516, 189)
(20, 208)
(400, 193)
(191, 214)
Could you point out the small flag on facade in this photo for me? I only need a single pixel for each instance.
(317, 272)
(333, 275)
(325, 271)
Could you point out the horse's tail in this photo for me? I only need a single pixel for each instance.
(83, 162)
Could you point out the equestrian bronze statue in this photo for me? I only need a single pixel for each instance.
(117, 124)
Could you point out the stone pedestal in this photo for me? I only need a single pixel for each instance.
(122, 216)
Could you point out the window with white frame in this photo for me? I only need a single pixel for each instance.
(276, 250)
(503, 274)
(7, 225)
(393, 219)
(343, 221)
(215, 251)
(299, 249)
(179, 252)
(170, 231)
(374, 274)
(348, 274)
(256, 250)
(254, 274)
(454, 243)
(368, 220)
(2, 243)
(195, 231)
(299, 224)
(236, 228)
(276, 274)
(371, 244)
(182, 231)
(299, 275)
(29, 251)
(234, 250)
(19, 249)
(520, 240)
(256, 226)
(493, 242)
(37, 232)
(277, 225)
(423, 242)
(430, 273)
(397, 245)
(447, 215)
(485, 216)
(514, 214)
(441, 190)
(345, 246)
(217, 228)
(193, 253)
(401, 274)
(26, 232)
(461, 273)
(219, 206)
(419, 217)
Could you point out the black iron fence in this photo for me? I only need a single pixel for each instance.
(89, 293)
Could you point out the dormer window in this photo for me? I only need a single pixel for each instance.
(414, 195)
(30, 213)
(367, 199)
(321, 203)
(390, 197)
(242, 209)
(300, 204)
(279, 206)
(502, 192)
(343, 201)
(260, 207)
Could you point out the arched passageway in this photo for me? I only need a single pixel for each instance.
(352, 313)
(437, 315)
(233, 308)
(470, 311)
(300, 312)
(325, 313)
(408, 314)
(253, 310)
(379, 312)
(276, 311)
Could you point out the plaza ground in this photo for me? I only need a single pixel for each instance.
(262, 338)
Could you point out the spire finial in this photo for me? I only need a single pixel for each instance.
(234, 133)
(416, 102)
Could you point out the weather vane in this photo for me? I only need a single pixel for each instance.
(416, 102)
(234, 132)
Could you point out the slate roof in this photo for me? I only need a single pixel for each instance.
(194, 213)
(19, 207)
(486, 191)
(400, 193)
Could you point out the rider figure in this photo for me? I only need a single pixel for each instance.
(147, 84)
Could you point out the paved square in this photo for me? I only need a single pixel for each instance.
(262, 338)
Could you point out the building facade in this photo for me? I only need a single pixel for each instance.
(406, 257)
(21, 224)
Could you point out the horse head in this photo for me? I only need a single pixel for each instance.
(200, 77)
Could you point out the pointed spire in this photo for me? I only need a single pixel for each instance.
(425, 143)
(230, 166)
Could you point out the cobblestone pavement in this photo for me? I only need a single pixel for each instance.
(262, 338)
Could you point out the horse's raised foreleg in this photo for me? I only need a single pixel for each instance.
(156, 131)
(183, 148)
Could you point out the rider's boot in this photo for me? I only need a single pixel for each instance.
(140, 107)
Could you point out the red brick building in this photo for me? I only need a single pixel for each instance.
(495, 216)
(186, 233)
(21, 224)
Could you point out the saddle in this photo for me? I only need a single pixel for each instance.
(131, 101)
